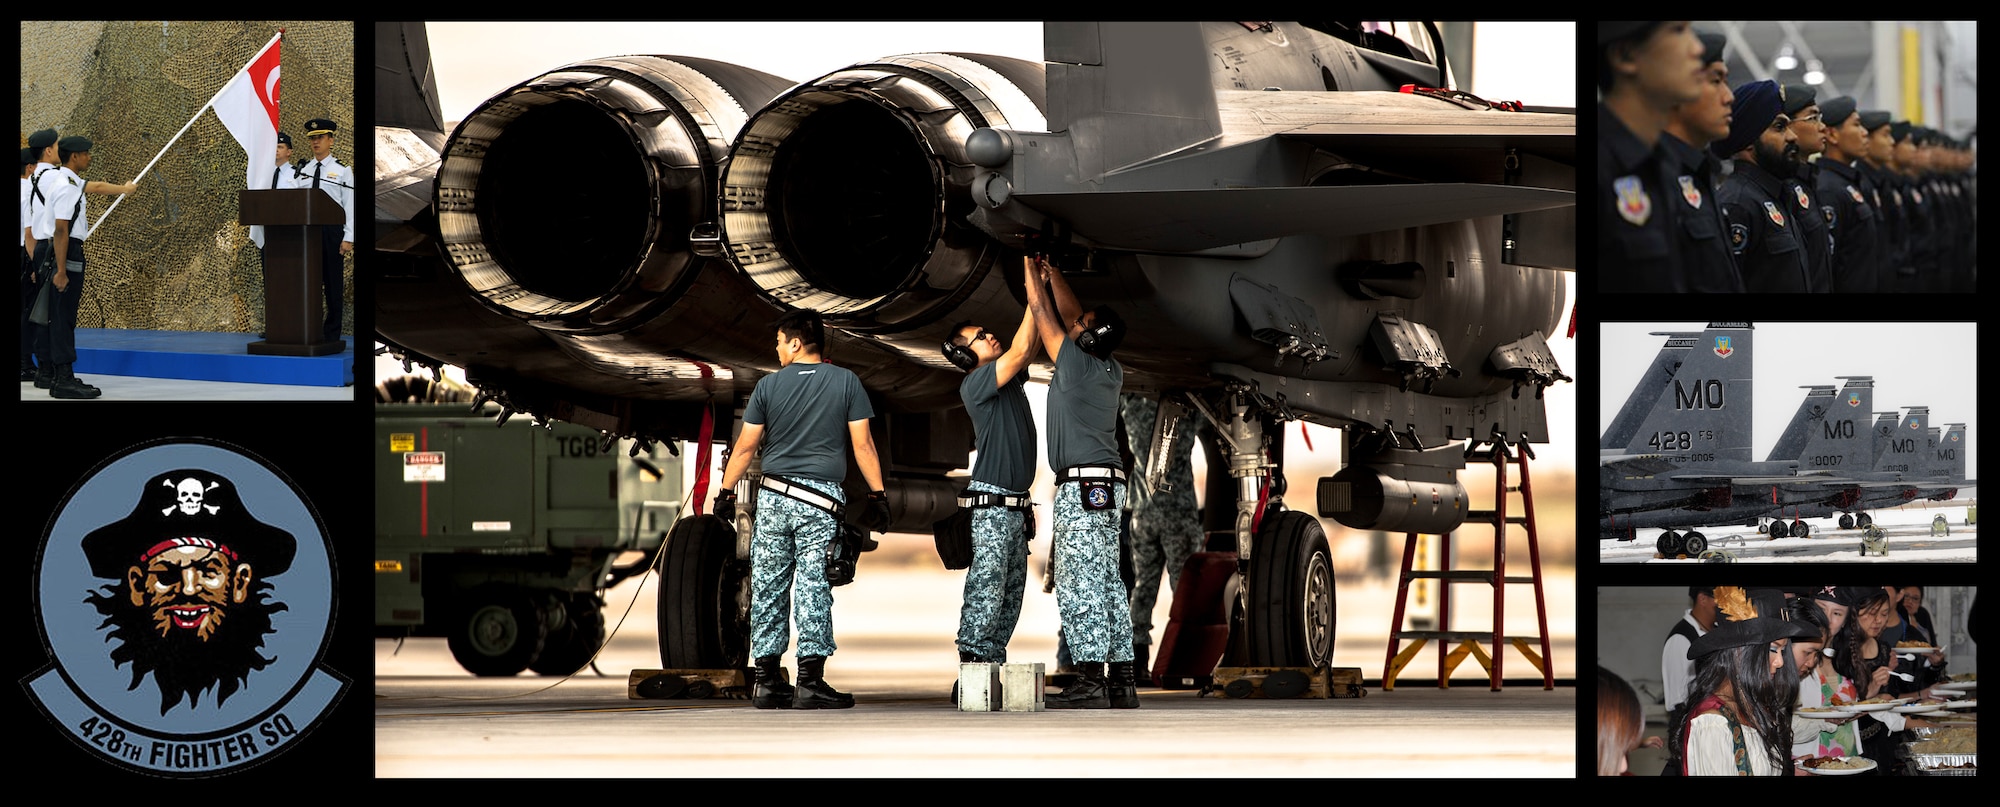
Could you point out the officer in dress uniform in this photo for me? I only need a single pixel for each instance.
(1810, 136)
(61, 231)
(1706, 262)
(326, 172)
(1762, 232)
(282, 176)
(995, 396)
(1090, 493)
(1852, 218)
(803, 417)
(1877, 166)
(1645, 69)
(31, 154)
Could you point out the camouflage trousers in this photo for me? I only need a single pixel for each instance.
(787, 558)
(996, 579)
(1166, 524)
(1096, 614)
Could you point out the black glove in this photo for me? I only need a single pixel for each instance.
(875, 516)
(725, 505)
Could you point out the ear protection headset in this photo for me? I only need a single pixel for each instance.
(1105, 333)
(961, 356)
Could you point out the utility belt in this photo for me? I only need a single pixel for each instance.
(793, 490)
(953, 533)
(1094, 484)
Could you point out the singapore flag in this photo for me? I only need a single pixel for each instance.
(248, 106)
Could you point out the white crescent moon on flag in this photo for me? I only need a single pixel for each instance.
(271, 87)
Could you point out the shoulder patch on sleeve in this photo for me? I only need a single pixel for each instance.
(1738, 236)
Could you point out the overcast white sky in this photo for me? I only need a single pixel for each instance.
(1914, 364)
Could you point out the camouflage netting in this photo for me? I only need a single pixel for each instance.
(172, 256)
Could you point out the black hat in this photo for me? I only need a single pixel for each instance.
(30, 156)
(1748, 617)
(1872, 119)
(1757, 103)
(42, 139)
(284, 139)
(74, 144)
(188, 507)
(320, 126)
(1836, 110)
(1798, 97)
(1711, 47)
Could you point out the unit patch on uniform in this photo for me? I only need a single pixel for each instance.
(1633, 203)
(1738, 234)
(1776, 217)
(185, 594)
(1805, 202)
(1856, 194)
(1690, 192)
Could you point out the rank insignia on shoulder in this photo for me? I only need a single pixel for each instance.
(1776, 217)
(1738, 234)
(1690, 192)
(1633, 203)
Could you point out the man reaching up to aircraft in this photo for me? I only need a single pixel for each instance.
(1090, 491)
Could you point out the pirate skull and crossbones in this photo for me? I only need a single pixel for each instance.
(188, 494)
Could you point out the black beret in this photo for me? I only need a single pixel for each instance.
(1872, 119)
(42, 139)
(29, 156)
(1836, 110)
(1711, 47)
(74, 143)
(1798, 97)
(1899, 130)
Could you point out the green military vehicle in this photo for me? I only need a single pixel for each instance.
(503, 538)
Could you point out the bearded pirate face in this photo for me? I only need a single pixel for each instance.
(189, 588)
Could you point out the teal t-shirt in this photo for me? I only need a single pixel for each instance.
(1083, 409)
(1003, 425)
(805, 409)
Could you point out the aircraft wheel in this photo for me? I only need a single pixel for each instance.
(699, 581)
(1799, 529)
(1291, 598)
(499, 633)
(1863, 520)
(569, 648)
(1669, 543)
(1846, 521)
(1777, 529)
(1694, 542)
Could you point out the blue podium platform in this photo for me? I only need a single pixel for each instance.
(198, 356)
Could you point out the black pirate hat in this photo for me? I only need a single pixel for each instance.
(1750, 617)
(188, 507)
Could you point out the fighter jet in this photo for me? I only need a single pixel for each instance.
(1299, 220)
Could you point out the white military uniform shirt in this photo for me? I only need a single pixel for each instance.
(69, 198)
(334, 178)
(46, 177)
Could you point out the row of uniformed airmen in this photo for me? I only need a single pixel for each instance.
(1818, 198)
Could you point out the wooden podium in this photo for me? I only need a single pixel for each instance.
(293, 312)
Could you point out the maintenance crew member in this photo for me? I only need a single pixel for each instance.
(809, 409)
(1090, 492)
(995, 395)
(1166, 524)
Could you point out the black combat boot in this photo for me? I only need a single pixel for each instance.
(1142, 672)
(1122, 688)
(1089, 691)
(44, 375)
(770, 690)
(67, 385)
(813, 691)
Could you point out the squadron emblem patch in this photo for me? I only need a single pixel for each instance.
(1856, 195)
(1722, 347)
(1738, 235)
(1633, 203)
(1805, 202)
(1776, 217)
(1690, 192)
(185, 593)
(1854, 399)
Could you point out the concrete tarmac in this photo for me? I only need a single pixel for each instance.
(895, 626)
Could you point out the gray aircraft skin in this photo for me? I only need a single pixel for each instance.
(1287, 235)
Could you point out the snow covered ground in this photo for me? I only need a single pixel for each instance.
(1909, 533)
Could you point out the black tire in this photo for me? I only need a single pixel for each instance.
(1694, 542)
(1799, 529)
(1291, 616)
(1669, 543)
(499, 632)
(565, 651)
(1863, 520)
(1778, 529)
(1846, 521)
(699, 580)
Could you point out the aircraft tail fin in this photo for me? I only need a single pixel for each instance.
(1950, 453)
(1792, 441)
(1904, 448)
(1140, 89)
(1836, 436)
(1704, 410)
(1640, 402)
(406, 93)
